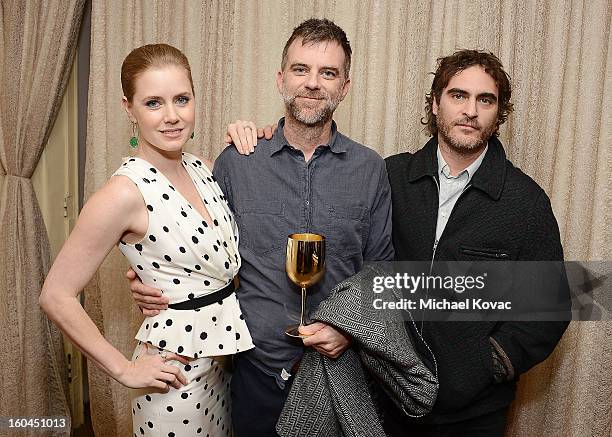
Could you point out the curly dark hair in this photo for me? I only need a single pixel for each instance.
(317, 30)
(448, 66)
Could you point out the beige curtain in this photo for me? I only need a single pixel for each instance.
(557, 52)
(37, 46)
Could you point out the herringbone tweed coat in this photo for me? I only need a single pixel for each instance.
(329, 397)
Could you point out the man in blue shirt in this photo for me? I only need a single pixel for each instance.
(307, 178)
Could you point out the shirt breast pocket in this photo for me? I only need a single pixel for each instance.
(345, 229)
(262, 225)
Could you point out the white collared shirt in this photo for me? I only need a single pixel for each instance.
(451, 188)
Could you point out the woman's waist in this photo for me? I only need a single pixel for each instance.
(200, 331)
(220, 310)
(178, 289)
(196, 301)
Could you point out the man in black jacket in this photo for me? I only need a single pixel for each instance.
(459, 198)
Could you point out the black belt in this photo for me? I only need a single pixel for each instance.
(206, 300)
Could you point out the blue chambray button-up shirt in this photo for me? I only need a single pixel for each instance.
(342, 192)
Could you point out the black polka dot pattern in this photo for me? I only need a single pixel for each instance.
(187, 255)
(202, 407)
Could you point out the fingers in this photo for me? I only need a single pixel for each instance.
(330, 353)
(177, 378)
(310, 331)
(334, 353)
(312, 340)
(327, 341)
(268, 131)
(138, 287)
(168, 378)
(149, 313)
(151, 369)
(181, 359)
(167, 374)
(311, 328)
(151, 302)
(150, 306)
(173, 376)
(244, 136)
(146, 304)
(148, 298)
(329, 347)
(231, 136)
(253, 136)
(161, 385)
(260, 133)
(249, 135)
(131, 274)
(181, 378)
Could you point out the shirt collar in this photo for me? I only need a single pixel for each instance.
(444, 169)
(278, 141)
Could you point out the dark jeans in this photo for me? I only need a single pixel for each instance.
(257, 400)
(488, 425)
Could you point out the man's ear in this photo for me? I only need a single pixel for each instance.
(434, 106)
(346, 87)
(279, 81)
(128, 108)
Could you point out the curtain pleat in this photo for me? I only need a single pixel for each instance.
(37, 48)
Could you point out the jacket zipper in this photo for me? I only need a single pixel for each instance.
(433, 255)
(435, 246)
(420, 332)
(437, 241)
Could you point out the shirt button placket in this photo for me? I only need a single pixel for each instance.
(310, 168)
(307, 194)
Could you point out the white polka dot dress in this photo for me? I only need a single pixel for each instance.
(187, 258)
(200, 408)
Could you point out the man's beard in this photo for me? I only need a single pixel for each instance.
(310, 116)
(461, 145)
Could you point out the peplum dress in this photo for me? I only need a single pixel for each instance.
(193, 263)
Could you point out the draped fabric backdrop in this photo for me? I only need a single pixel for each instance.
(558, 54)
(37, 46)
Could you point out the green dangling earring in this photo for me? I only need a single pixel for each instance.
(134, 139)
(192, 135)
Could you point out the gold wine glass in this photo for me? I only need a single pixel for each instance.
(305, 266)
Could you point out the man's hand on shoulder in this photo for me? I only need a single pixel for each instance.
(244, 134)
(149, 299)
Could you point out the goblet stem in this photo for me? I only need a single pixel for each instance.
(303, 320)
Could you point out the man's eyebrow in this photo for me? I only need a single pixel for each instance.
(488, 95)
(465, 93)
(325, 67)
(456, 91)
